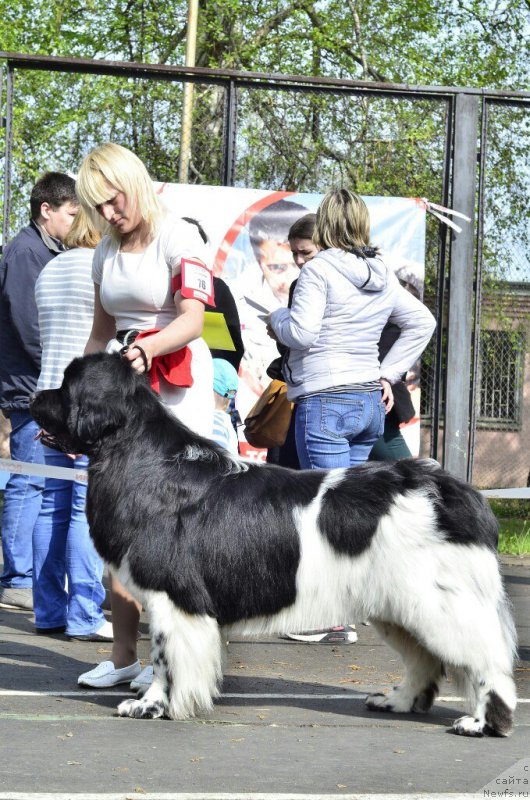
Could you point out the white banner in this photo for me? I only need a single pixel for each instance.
(247, 230)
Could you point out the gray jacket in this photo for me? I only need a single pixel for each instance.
(340, 306)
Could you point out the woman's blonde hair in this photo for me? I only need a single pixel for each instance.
(116, 165)
(342, 221)
(83, 233)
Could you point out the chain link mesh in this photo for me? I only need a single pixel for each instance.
(502, 391)
(306, 140)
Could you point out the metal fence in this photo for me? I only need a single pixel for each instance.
(458, 147)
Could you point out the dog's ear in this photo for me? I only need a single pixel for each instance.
(96, 387)
(91, 420)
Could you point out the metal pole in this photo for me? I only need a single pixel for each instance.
(440, 288)
(8, 154)
(460, 323)
(187, 99)
(229, 138)
(478, 289)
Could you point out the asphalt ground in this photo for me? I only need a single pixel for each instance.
(290, 723)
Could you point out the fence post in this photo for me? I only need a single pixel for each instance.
(229, 135)
(460, 305)
(8, 154)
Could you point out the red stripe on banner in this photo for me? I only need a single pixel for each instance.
(237, 226)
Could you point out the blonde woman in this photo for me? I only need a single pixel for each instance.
(67, 571)
(152, 279)
(343, 298)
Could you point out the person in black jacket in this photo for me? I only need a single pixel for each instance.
(392, 446)
(303, 250)
(226, 305)
(53, 207)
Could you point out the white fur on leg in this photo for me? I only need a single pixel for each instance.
(493, 708)
(186, 651)
(420, 685)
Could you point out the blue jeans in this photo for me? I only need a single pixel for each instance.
(22, 502)
(62, 548)
(338, 429)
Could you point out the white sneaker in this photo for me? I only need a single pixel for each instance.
(103, 634)
(339, 634)
(106, 675)
(143, 680)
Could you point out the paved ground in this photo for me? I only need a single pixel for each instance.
(291, 720)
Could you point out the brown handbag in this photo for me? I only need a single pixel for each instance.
(267, 422)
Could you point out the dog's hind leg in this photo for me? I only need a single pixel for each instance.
(420, 685)
(493, 704)
(487, 678)
(186, 653)
(469, 629)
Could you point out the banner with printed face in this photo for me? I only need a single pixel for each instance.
(247, 232)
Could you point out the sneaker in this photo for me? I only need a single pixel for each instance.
(144, 679)
(106, 675)
(17, 598)
(103, 634)
(339, 634)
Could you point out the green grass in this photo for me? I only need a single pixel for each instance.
(514, 523)
(508, 509)
(514, 537)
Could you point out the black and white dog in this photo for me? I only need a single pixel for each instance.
(207, 542)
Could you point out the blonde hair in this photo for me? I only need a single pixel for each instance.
(342, 221)
(83, 233)
(116, 165)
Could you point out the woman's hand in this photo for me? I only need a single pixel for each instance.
(266, 318)
(138, 355)
(270, 332)
(387, 396)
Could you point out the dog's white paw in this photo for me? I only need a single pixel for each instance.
(142, 709)
(468, 726)
(395, 701)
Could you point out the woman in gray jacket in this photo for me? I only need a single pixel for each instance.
(343, 299)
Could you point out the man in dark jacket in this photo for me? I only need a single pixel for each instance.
(53, 207)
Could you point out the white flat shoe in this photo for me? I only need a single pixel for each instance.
(106, 675)
(143, 680)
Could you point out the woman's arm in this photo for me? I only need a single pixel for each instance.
(299, 326)
(103, 327)
(181, 331)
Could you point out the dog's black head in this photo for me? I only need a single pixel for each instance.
(98, 395)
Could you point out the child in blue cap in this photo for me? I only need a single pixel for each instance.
(225, 384)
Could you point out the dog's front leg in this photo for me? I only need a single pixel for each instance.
(186, 653)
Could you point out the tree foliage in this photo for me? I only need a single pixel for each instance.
(284, 140)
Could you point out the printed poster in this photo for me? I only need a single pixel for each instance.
(247, 232)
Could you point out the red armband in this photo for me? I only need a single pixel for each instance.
(196, 281)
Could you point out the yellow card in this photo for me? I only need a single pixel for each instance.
(215, 332)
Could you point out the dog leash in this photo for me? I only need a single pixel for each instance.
(125, 349)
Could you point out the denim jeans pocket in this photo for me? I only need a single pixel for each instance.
(343, 418)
